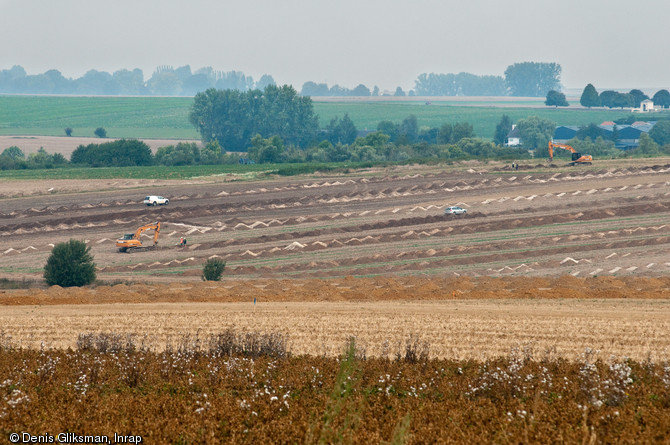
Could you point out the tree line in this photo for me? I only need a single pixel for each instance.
(165, 81)
(520, 79)
(614, 99)
(339, 142)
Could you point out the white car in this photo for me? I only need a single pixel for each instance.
(455, 210)
(154, 200)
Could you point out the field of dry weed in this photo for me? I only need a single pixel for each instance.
(245, 388)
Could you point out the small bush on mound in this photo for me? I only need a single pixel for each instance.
(70, 264)
(213, 269)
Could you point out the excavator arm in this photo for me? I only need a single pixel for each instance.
(141, 230)
(132, 242)
(577, 158)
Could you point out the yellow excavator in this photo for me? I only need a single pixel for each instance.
(577, 158)
(131, 241)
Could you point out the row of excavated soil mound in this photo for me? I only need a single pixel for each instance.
(137, 216)
(448, 186)
(350, 289)
(559, 240)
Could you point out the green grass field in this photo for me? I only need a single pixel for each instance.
(167, 117)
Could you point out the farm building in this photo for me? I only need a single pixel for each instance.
(564, 133)
(513, 137)
(627, 136)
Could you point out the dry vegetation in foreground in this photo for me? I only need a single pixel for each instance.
(237, 387)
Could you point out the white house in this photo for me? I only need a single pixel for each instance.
(646, 106)
(513, 137)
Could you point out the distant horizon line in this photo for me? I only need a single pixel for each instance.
(565, 89)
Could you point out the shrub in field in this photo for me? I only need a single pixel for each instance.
(70, 264)
(120, 153)
(100, 132)
(213, 269)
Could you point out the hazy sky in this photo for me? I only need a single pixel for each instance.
(613, 43)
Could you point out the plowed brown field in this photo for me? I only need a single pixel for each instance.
(572, 243)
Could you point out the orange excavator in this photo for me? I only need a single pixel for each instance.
(577, 158)
(131, 241)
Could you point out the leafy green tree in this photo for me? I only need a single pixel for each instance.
(233, 80)
(13, 158)
(313, 89)
(556, 99)
(58, 159)
(591, 131)
(532, 79)
(120, 153)
(68, 131)
(607, 98)
(647, 146)
(622, 100)
(130, 82)
(337, 153)
(100, 132)
(399, 92)
(377, 140)
(662, 98)
(389, 128)
(181, 154)
(660, 133)
(590, 97)
(409, 129)
(269, 150)
(232, 117)
(337, 90)
(598, 146)
(502, 130)
(13, 152)
(341, 130)
(535, 134)
(360, 90)
(211, 153)
(461, 84)
(265, 81)
(638, 96)
(41, 159)
(445, 136)
(462, 130)
(476, 147)
(164, 82)
(70, 264)
(429, 135)
(614, 99)
(213, 269)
